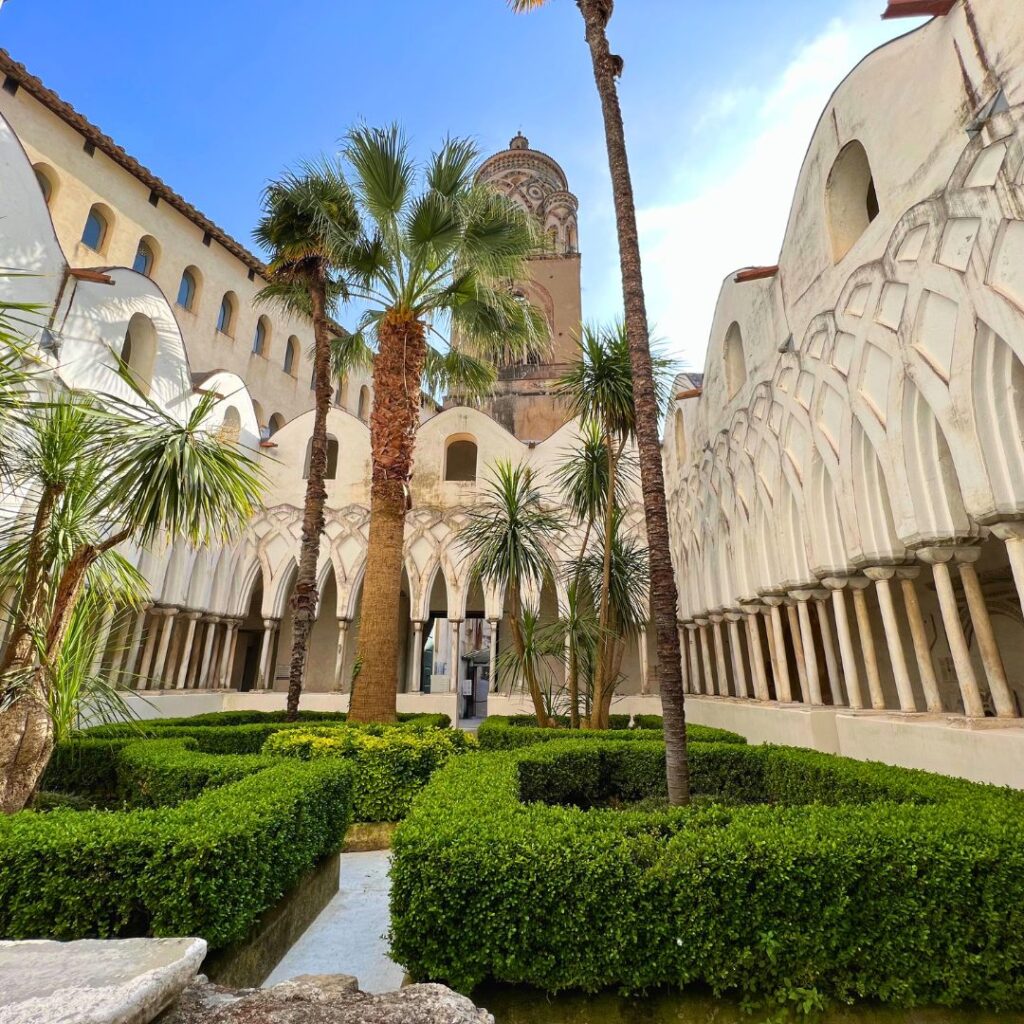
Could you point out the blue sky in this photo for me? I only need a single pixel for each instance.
(720, 98)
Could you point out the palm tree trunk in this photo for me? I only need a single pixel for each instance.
(607, 67)
(305, 597)
(397, 372)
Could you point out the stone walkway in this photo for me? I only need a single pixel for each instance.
(348, 936)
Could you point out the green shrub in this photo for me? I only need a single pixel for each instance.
(501, 733)
(392, 767)
(229, 718)
(648, 722)
(209, 866)
(87, 767)
(846, 880)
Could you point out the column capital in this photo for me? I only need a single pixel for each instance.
(949, 553)
(1008, 531)
(908, 572)
(734, 614)
(803, 596)
(836, 582)
(271, 623)
(716, 617)
(210, 617)
(191, 614)
(880, 573)
(164, 609)
(700, 621)
(456, 622)
(820, 594)
(859, 583)
(344, 623)
(417, 624)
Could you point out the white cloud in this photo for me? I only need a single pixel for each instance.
(742, 163)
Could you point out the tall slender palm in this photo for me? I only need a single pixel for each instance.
(509, 536)
(607, 68)
(305, 216)
(435, 250)
(98, 471)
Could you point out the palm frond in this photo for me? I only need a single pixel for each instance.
(458, 372)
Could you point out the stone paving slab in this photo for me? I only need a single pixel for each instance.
(94, 981)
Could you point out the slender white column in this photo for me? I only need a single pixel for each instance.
(684, 666)
(186, 649)
(851, 673)
(998, 684)
(810, 653)
(694, 655)
(266, 654)
(121, 642)
(155, 617)
(160, 661)
(723, 672)
(780, 662)
(339, 657)
(793, 618)
(232, 647)
(926, 669)
(101, 644)
(225, 655)
(756, 652)
(492, 663)
(456, 655)
(739, 671)
(821, 601)
(859, 585)
(881, 575)
(203, 679)
(645, 681)
(705, 656)
(939, 558)
(416, 661)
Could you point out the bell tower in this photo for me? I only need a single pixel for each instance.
(523, 400)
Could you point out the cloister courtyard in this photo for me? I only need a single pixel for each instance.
(398, 623)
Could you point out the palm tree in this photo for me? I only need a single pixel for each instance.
(306, 216)
(607, 69)
(509, 535)
(434, 250)
(98, 471)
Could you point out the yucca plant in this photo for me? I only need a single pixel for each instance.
(607, 68)
(97, 471)
(511, 535)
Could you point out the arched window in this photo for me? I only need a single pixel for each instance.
(47, 182)
(850, 198)
(231, 426)
(144, 258)
(275, 424)
(364, 403)
(735, 361)
(138, 350)
(680, 436)
(226, 314)
(188, 289)
(460, 459)
(292, 353)
(94, 235)
(331, 472)
(259, 338)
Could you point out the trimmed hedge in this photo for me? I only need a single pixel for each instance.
(510, 733)
(615, 722)
(648, 722)
(852, 881)
(391, 767)
(209, 866)
(225, 718)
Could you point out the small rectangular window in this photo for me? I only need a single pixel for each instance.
(207, 239)
(89, 148)
(154, 199)
(252, 274)
(11, 85)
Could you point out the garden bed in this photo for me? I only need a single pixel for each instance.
(513, 731)
(205, 845)
(815, 877)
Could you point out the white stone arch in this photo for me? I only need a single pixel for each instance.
(870, 495)
(175, 579)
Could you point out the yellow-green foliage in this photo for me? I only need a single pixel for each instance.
(393, 766)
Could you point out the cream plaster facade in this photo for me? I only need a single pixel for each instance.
(846, 479)
(85, 171)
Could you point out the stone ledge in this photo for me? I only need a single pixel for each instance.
(94, 981)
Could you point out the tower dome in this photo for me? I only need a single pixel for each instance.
(538, 184)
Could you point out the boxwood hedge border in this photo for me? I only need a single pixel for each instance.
(854, 881)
